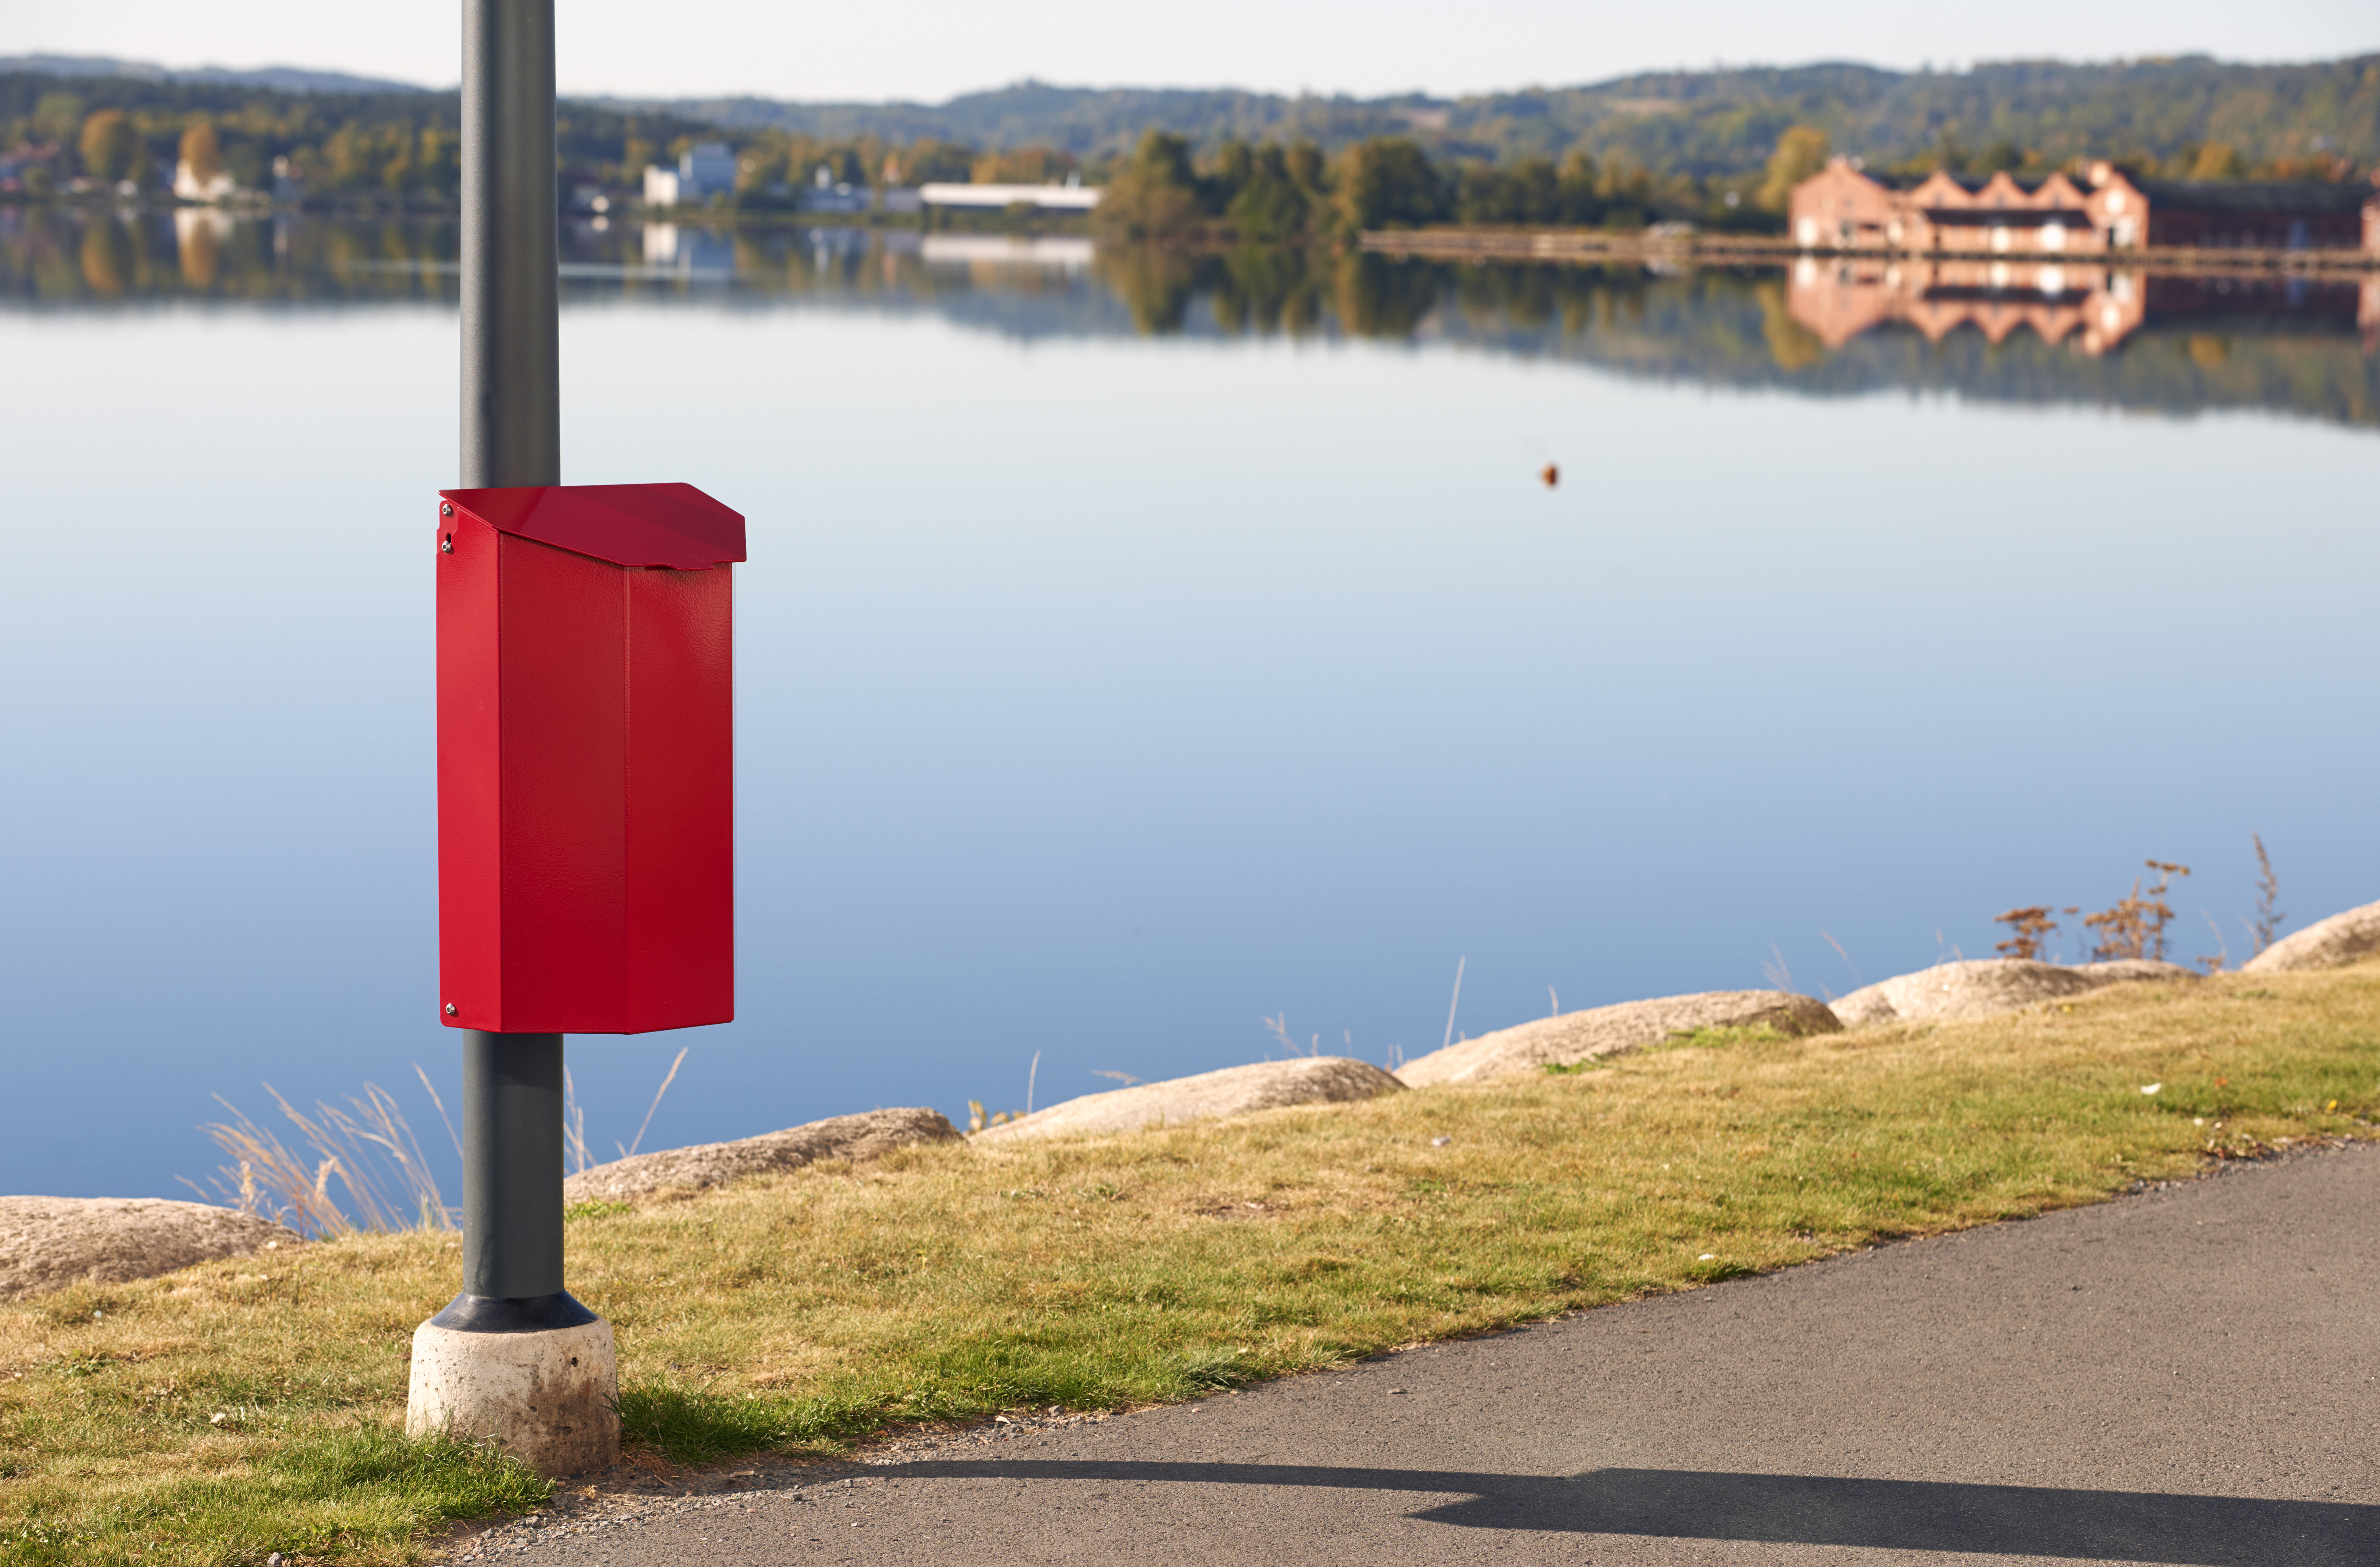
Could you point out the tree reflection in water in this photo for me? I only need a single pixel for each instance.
(2289, 345)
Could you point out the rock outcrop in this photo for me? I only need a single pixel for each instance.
(1235, 1090)
(2331, 944)
(1980, 986)
(1575, 1036)
(49, 1243)
(853, 1137)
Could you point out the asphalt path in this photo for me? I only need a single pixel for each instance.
(2190, 1375)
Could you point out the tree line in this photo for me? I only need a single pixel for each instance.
(388, 149)
(1270, 193)
(402, 148)
(1722, 123)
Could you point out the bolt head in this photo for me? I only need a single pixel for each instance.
(450, 1009)
(445, 508)
(447, 545)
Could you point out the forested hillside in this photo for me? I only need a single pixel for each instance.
(1699, 123)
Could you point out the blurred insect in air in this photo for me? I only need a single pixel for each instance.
(1550, 474)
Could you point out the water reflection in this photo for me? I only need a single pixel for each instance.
(2068, 331)
(2094, 308)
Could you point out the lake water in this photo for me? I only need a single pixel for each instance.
(1137, 648)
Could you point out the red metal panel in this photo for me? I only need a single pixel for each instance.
(565, 715)
(681, 839)
(471, 751)
(586, 775)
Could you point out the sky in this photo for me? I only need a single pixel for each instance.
(930, 50)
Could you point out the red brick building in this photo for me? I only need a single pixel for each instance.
(1842, 207)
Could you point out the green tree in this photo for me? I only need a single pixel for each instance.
(1627, 196)
(1389, 182)
(1578, 189)
(398, 174)
(1305, 165)
(1156, 191)
(111, 149)
(1233, 165)
(1268, 207)
(1801, 152)
(58, 117)
(1022, 165)
(347, 157)
(2217, 160)
(441, 161)
(929, 158)
(2000, 154)
(1528, 191)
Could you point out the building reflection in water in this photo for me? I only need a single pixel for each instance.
(2088, 306)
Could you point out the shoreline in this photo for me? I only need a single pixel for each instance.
(1460, 243)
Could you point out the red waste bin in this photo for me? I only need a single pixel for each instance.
(586, 759)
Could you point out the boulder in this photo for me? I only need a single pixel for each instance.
(49, 1243)
(2331, 944)
(1980, 986)
(1235, 1090)
(853, 1137)
(1608, 1030)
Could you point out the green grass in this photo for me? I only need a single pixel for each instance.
(807, 1311)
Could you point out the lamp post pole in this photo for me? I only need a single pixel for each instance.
(513, 1357)
(511, 435)
(512, 372)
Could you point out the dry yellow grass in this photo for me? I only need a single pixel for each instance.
(948, 1282)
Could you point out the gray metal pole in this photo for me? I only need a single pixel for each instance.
(512, 1164)
(511, 435)
(511, 371)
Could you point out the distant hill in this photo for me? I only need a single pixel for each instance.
(1700, 123)
(278, 78)
(1087, 122)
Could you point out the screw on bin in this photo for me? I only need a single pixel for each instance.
(445, 508)
(447, 545)
(450, 1009)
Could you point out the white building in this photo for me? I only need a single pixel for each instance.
(709, 170)
(1071, 198)
(190, 187)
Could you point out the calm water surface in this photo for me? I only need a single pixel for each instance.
(1135, 649)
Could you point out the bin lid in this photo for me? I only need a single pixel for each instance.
(675, 526)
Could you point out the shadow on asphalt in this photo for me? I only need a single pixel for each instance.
(1801, 1510)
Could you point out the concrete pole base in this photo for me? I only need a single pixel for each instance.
(548, 1395)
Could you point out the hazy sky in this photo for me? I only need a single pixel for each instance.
(931, 49)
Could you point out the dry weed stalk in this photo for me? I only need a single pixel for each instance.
(367, 1146)
(2222, 954)
(2134, 927)
(2028, 928)
(1845, 956)
(574, 1124)
(2268, 897)
(1279, 1026)
(648, 1121)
